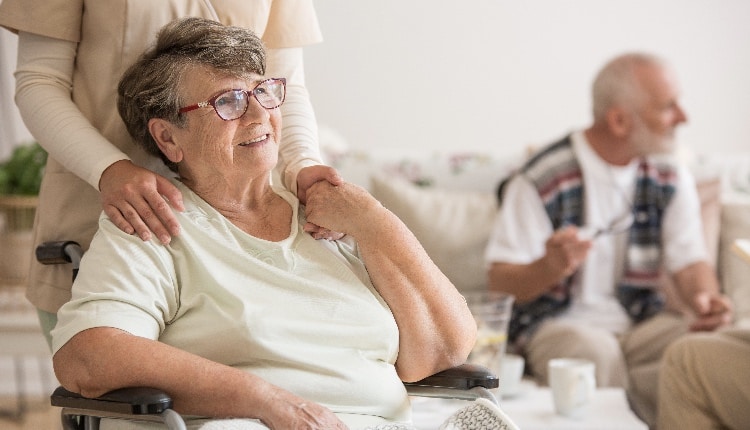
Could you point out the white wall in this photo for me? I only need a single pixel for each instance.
(476, 74)
(502, 74)
(12, 130)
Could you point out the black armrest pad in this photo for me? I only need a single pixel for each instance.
(133, 401)
(54, 252)
(463, 377)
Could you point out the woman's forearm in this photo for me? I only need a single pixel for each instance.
(436, 328)
(102, 359)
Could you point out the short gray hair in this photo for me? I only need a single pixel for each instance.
(616, 82)
(150, 87)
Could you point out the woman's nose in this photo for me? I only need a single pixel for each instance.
(254, 112)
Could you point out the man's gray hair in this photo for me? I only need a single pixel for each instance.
(616, 83)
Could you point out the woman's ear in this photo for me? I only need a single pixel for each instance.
(161, 131)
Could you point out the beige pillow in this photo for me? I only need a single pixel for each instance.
(709, 192)
(453, 226)
(735, 220)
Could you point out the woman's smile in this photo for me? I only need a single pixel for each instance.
(257, 141)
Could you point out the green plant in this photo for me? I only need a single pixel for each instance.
(22, 173)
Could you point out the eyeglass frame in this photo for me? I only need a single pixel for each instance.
(212, 101)
(618, 225)
(621, 224)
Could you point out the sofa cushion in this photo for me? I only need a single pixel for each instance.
(735, 271)
(453, 226)
(455, 171)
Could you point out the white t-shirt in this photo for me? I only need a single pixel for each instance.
(300, 313)
(522, 226)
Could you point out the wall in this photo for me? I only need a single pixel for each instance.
(476, 74)
(501, 74)
(12, 130)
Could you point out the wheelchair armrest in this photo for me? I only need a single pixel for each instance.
(61, 252)
(466, 382)
(129, 401)
(57, 252)
(463, 377)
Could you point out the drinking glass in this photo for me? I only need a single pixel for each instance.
(492, 311)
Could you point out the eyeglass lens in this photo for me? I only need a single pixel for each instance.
(232, 104)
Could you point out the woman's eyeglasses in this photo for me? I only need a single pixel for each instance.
(232, 104)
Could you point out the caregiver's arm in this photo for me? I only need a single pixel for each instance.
(136, 199)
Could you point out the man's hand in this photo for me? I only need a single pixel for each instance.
(566, 251)
(711, 311)
(137, 200)
(699, 288)
(305, 179)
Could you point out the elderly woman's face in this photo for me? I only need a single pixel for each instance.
(234, 149)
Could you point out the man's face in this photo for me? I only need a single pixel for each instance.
(658, 114)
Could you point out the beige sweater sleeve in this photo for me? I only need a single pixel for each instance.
(299, 136)
(43, 95)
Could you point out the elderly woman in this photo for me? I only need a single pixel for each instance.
(245, 315)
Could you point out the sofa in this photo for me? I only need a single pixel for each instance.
(448, 199)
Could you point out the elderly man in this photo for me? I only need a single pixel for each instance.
(588, 223)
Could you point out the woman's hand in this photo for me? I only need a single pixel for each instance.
(137, 200)
(305, 179)
(287, 411)
(312, 174)
(343, 208)
(102, 359)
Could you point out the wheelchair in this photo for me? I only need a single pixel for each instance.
(465, 382)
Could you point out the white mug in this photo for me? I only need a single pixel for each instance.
(573, 383)
(511, 373)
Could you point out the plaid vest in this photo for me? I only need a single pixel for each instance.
(557, 176)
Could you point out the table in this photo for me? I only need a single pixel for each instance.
(532, 409)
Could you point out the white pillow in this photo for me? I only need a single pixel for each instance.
(453, 226)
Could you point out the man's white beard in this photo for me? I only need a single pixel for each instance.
(649, 143)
